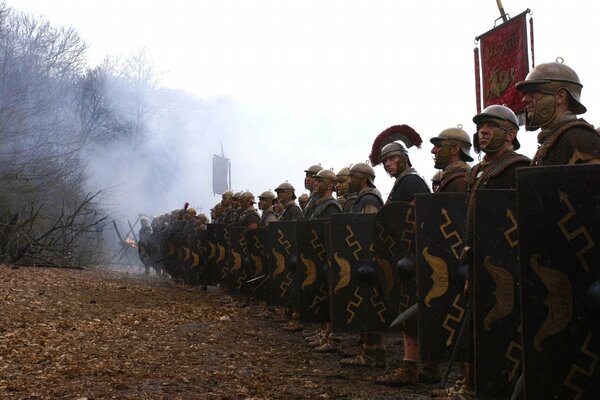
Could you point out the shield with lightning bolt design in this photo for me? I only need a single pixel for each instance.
(313, 270)
(357, 303)
(394, 247)
(237, 262)
(256, 243)
(221, 253)
(198, 257)
(282, 263)
(190, 276)
(559, 235)
(496, 308)
(440, 220)
(210, 273)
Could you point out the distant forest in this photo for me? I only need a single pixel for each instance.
(70, 134)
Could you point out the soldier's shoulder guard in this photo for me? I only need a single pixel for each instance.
(561, 146)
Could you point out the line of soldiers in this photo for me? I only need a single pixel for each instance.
(497, 269)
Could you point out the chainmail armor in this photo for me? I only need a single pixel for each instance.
(559, 145)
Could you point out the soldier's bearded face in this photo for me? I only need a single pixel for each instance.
(354, 184)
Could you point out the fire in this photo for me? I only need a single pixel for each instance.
(131, 242)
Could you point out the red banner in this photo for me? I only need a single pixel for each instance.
(504, 62)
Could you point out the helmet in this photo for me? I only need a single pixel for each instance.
(363, 170)
(247, 196)
(392, 149)
(326, 174)
(550, 78)
(313, 169)
(191, 211)
(227, 194)
(303, 197)
(504, 117)
(284, 186)
(236, 196)
(456, 136)
(268, 195)
(343, 174)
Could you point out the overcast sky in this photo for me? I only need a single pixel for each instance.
(323, 78)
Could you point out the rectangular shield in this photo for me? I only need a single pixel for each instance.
(312, 271)
(256, 242)
(197, 258)
(496, 308)
(222, 252)
(393, 241)
(356, 296)
(440, 224)
(239, 271)
(211, 274)
(559, 209)
(282, 263)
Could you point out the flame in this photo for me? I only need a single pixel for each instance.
(130, 242)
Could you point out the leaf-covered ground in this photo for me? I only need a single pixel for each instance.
(101, 334)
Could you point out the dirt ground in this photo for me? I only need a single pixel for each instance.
(105, 334)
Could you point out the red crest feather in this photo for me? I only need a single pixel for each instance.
(404, 133)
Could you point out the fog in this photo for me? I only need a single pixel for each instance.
(282, 85)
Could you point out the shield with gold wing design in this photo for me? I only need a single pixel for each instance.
(256, 243)
(237, 263)
(198, 250)
(210, 272)
(186, 243)
(440, 223)
(222, 253)
(559, 237)
(282, 263)
(496, 308)
(357, 301)
(394, 247)
(312, 270)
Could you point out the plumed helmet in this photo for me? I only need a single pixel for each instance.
(503, 116)
(392, 149)
(552, 77)
(313, 169)
(457, 136)
(268, 195)
(326, 174)
(248, 196)
(363, 170)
